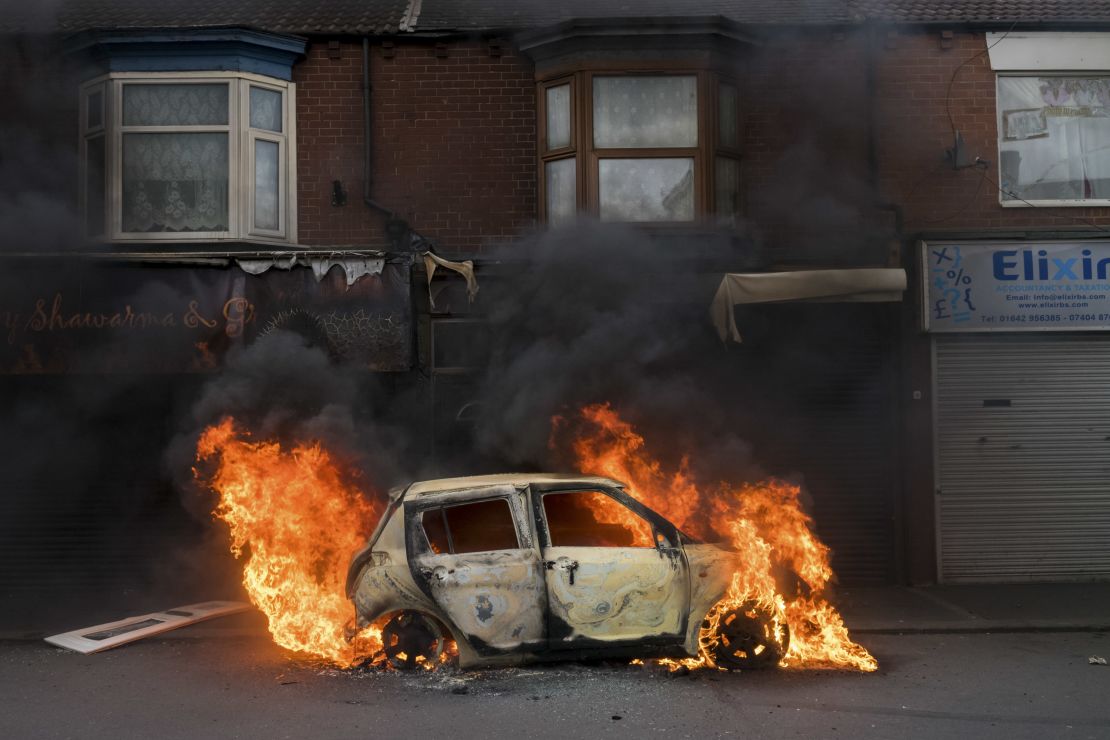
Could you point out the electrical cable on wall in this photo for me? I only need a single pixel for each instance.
(980, 165)
(956, 72)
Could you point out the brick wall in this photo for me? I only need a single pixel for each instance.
(808, 190)
(914, 81)
(454, 144)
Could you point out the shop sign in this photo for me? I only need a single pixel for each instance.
(1021, 286)
(62, 317)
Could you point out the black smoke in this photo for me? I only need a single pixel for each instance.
(287, 387)
(603, 313)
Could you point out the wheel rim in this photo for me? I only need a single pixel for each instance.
(746, 639)
(412, 639)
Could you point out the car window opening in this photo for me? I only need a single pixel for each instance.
(482, 526)
(593, 519)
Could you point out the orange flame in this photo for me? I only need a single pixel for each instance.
(300, 522)
(763, 522)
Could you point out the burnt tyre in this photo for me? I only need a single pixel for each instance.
(412, 640)
(745, 639)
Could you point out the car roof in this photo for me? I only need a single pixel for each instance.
(420, 488)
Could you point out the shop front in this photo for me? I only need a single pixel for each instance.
(1021, 408)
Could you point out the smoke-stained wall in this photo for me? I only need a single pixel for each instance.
(809, 194)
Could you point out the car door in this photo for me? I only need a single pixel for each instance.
(615, 572)
(473, 553)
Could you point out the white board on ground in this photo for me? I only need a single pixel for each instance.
(113, 634)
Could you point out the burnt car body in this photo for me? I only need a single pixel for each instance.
(530, 567)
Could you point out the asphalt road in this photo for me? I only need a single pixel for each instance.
(929, 686)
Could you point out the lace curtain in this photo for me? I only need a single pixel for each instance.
(633, 112)
(175, 105)
(175, 182)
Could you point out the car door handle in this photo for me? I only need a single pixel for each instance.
(564, 564)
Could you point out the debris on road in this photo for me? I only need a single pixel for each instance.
(1096, 660)
(113, 634)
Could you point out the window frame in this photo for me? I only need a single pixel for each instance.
(547, 540)
(442, 506)
(241, 159)
(999, 128)
(546, 155)
(725, 151)
(596, 154)
(704, 153)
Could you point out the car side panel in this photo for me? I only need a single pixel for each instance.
(495, 598)
(618, 594)
(711, 570)
(384, 587)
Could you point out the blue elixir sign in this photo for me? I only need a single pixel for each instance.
(1023, 286)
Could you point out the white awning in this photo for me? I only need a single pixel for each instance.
(818, 286)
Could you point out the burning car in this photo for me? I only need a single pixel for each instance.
(518, 568)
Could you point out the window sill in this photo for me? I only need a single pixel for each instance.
(156, 241)
(1055, 203)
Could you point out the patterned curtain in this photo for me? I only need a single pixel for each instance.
(632, 112)
(175, 105)
(175, 182)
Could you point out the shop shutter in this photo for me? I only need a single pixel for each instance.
(1023, 456)
(829, 415)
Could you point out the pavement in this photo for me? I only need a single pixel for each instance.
(1006, 686)
(978, 608)
(990, 662)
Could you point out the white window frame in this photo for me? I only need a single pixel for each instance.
(1045, 54)
(241, 138)
(1039, 202)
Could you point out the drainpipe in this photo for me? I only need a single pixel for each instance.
(872, 82)
(395, 227)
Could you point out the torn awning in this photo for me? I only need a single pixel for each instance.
(820, 286)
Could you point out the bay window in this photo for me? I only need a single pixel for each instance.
(188, 157)
(640, 146)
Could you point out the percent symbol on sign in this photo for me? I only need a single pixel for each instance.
(959, 277)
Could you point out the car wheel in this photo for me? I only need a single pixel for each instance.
(746, 639)
(411, 639)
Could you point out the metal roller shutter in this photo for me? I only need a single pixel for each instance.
(1023, 457)
(823, 407)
